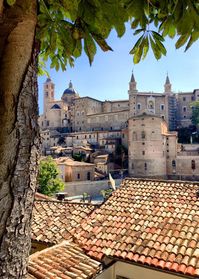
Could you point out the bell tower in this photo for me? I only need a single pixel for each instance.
(132, 96)
(49, 92)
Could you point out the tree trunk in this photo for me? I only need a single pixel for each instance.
(19, 137)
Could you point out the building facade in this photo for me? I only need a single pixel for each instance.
(145, 123)
(75, 114)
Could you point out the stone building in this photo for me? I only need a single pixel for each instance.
(71, 170)
(79, 114)
(154, 152)
(145, 123)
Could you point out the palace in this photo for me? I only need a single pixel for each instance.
(145, 123)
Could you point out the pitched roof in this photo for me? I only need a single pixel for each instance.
(65, 261)
(54, 221)
(151, 222)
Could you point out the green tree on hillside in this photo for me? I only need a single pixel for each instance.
(48, 180)
(59, 31)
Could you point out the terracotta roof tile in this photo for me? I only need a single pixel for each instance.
(64, 261)
(147, 221)
(54, 221)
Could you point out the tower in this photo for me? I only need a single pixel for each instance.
(133, 84)
(167, 85)
(132, 95)
(48, 93)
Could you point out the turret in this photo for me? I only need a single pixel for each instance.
(167, 85)
(132, 84)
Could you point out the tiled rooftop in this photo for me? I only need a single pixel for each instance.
(54, 221)
(63, 261)
(150, 222)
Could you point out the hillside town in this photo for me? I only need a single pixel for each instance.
(146, 226)
(99, 175)
(136, 136)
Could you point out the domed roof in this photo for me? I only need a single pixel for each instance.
(69, 90)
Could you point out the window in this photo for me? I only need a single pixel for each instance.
(143, 152)
(145, 166)
(192, 98)
(134, 136)
(132, 166)
(47, 123)
(88, 175)
(77, 137)
(89, 136)
(184, 99)
(138, 106)
(163, 117)
(85, 136)
(162, 107)
(143, 143)
(173, 163)
(184, 116)
(193, 164)
(78, 176)
(184, 109)
(46, 94)
(143, 136)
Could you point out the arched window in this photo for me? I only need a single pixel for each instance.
(145, 166)
(193, 164)
(139, 106)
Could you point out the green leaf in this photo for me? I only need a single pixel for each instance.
(146, 47)
(182, 40)
(157, 36)
(194, 37)
(159, 43)
(102, 43)
(155, 48)
(138, 31)
(134, 49)
(89, 47)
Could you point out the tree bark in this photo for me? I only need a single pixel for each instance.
(19, 136)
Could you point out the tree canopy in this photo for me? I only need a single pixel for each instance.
(67, 27)
(48, 181)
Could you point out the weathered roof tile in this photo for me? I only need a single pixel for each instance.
(147, 221)
(54, 221)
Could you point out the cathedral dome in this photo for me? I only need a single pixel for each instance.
(70, 90)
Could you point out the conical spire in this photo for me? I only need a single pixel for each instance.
(132, 83)
(167, 85)
(167, 80)
(48, 79)
(132, 77)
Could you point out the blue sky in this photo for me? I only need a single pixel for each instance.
(109, 75)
